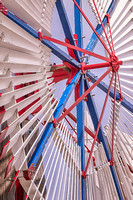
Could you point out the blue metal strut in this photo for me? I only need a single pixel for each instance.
(101, 137)
(80, 136)
(49, 128)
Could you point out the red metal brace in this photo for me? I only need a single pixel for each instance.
(40, 35)
(84, 174)
(3, 9)
(54, 123)
(28, 174)
(73, 72)
(121, 97)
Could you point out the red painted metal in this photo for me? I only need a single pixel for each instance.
(28, 174)
(99, 65)
(75, 120)
(59, 75)
(120, 92)
(84, 95)
(76, 134)
(73, 72)
(107, 15)
(14, 180)
(113, 123)
(3, 9)
(39, 35)
(4, 149)
(70, 51)
(26, 197)
(19, 192)
(70, 125)
(76, 48)
(91, 26)
(99, 123)
(2, 136)
(102, 26)
(76, 91)
(76, 39)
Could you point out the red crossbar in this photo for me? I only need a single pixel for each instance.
(102, 26)
(99, 123)
(75, 120)
(84, 95)
(91, 26)
(76, 133)
(107, 15)
(76, 48)
(113, 122)
(120, 92)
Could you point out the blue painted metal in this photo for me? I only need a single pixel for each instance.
(103, 86)
(80, 136)
(101, 137)
(78, 24)
(66, 25)
(93, 40)
(55, 50)
(22, 24)
(60, 54)
(49, 128)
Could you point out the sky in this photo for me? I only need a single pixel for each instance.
(58, 33)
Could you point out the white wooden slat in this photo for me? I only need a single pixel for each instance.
(12, 126)
(120, 42)
(125, 13)
(22, 104)
(26, 13)
(118, 10)
(60, 181)
(128, 173)
(121, 144)
(56, 136)
(69, 174)
(60, 173)
(15, 56)
(124, 183)
(7, 97)
(31, 149)
(16, 154)
(37, 139)
(20, 68)
(25, 184)
(17, 80)
(53, 164)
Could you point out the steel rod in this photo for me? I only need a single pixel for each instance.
(113, 122)
(92, 27)
(102, 25)
(75, 48)
(85, 94)
(99, 123)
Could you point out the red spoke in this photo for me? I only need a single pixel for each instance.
(110, 34)
(84, 95)
(75, 120)
(99, 123)
(113, 122)
(98, 65)
(92, 27)
(102, 25)
(70, 125)
(119, 85)
(76, 48)
(76, 133)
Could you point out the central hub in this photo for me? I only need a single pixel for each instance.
(83, 67)
(115, 63)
